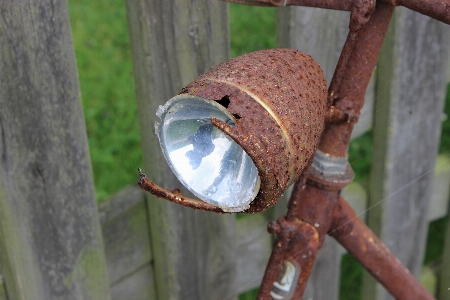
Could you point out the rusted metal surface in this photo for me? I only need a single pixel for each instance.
(351, 79)
(361, 11)
(367, 248)
(313, 205)
(279, 100)
(292, 259)
(175, 195)
(314, 200)
(300, 235)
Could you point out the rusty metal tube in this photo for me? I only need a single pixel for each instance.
(370, 251)
(300, 235)
(353, 81)
(291, 261)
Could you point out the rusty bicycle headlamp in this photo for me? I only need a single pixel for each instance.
(241, 133)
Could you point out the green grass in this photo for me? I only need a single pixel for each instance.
(252, 28)
(351, 278)
(102, 48)
(445, 135)
(104, 64)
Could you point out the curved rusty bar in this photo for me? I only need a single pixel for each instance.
(175, 195)
(370, 251)
(300, 235)
(292, 259)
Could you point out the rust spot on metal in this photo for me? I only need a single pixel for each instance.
(297, 244)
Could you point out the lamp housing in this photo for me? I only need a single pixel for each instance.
(268, 106)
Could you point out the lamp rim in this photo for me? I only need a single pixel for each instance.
(165, 109)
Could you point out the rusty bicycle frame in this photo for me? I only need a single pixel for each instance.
(316, 208)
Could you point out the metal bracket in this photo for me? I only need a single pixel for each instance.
(330, 172)
(174, 196)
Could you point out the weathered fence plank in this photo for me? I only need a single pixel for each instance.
(172, 43)
(253, 249)
(127, 243)
(120, 202)
(308, 29)
(137, 286)
(50, 239)
(411, 80)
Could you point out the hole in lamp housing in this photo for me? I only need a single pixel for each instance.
(206, 160)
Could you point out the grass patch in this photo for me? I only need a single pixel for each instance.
(250, 295)
(435, 240)
(444, 146)
(252, 28)
(102, 49)
(351, 278)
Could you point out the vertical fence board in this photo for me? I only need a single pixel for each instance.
(172, 43)
(135, 286)
(254, 246)
(410, 92)
(50, 239)
(310, 29)
(320, 33)
(126, 237)
(127, 245)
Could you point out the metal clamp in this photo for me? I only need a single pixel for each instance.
(330, 172)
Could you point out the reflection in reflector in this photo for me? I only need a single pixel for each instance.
(206, 160)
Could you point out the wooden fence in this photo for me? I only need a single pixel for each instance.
(56, 244)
